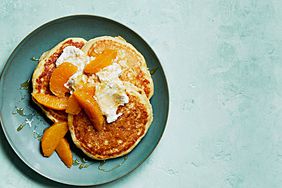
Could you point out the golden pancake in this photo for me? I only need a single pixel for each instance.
(117, 138)
(43, 71)
(132, 62)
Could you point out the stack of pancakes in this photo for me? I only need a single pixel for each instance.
(121, 136)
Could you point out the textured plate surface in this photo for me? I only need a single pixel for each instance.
(23, 123)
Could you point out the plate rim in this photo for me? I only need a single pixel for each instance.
(9, 61)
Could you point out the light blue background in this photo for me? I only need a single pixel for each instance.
(224, 67)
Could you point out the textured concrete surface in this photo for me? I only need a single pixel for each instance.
(224, 67)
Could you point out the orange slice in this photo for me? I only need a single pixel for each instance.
(51, 101)
(52, 136)
(64, 152)
(102, 60)
(59, 77)
(91, 108)
(89, 89)
(73, 106)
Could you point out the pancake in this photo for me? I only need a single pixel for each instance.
(43, 71)
(117, 138)
(134, 67)
(133, 117)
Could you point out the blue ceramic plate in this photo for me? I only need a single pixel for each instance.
(23, 123)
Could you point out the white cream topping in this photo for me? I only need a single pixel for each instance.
(73, 55)
(109, 73)
(110, 93)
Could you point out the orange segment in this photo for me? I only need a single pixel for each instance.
(73, 106)
(89, 89)
(91, 108)
(52, 136)
(102, 60)
(64, 152)
(50, 101)
(59, 77)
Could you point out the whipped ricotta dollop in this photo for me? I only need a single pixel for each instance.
(110, 92)
(77, 57)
